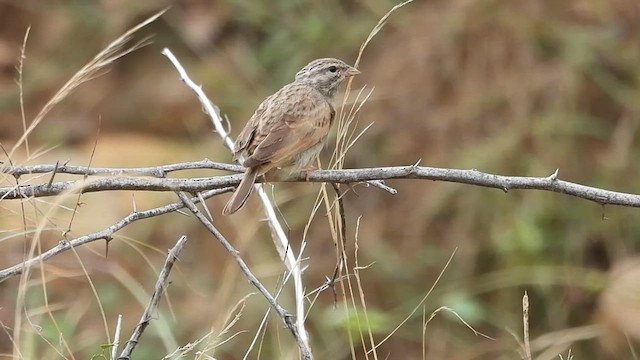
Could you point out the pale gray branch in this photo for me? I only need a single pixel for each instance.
(157, 171)
(118, 183)
(158, 290)
(470, 177)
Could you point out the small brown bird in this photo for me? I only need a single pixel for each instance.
(290, 127)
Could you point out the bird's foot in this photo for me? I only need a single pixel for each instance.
(308, 170)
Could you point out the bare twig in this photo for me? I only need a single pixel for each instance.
(116, 338)
(158, 290)
(118, 183)
(286, 317)
(345, 176)
(157, 171)
(23, 56)
(525, 326)
(105, 234)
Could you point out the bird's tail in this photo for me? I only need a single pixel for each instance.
(242, 193)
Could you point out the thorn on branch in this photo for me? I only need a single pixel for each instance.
(554, 176)
(288, 317)
(409, 170)
(53, 175)
(331, 284)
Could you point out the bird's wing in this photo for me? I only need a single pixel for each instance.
(246, 136)
(296, 118)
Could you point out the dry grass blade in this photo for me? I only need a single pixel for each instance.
(184, 350)
(346, 137)
(344, 141)
(342, 123)
(363, 303)
(424, 298)
(378, 27)
(346, 125)
(20, 87)
(115, 50)
(211, 340)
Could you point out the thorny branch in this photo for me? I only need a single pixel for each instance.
(372, 176)
(157, 171)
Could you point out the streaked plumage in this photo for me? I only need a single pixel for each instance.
(290, 127)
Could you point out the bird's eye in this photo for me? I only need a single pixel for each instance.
(333, 69)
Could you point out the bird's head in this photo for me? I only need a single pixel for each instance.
(326, 75)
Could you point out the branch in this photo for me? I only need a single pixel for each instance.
(160, 287)
(345, 176)
(118, 183)
(157, 171)
(284, 315)
(106, 234)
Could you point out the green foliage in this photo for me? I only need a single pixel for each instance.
(359, 322)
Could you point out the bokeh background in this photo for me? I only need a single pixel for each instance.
(507, 87)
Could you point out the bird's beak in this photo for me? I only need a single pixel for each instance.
(351, 71)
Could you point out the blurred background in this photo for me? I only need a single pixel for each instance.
(506, 87)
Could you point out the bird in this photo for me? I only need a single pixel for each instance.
(289, 128)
